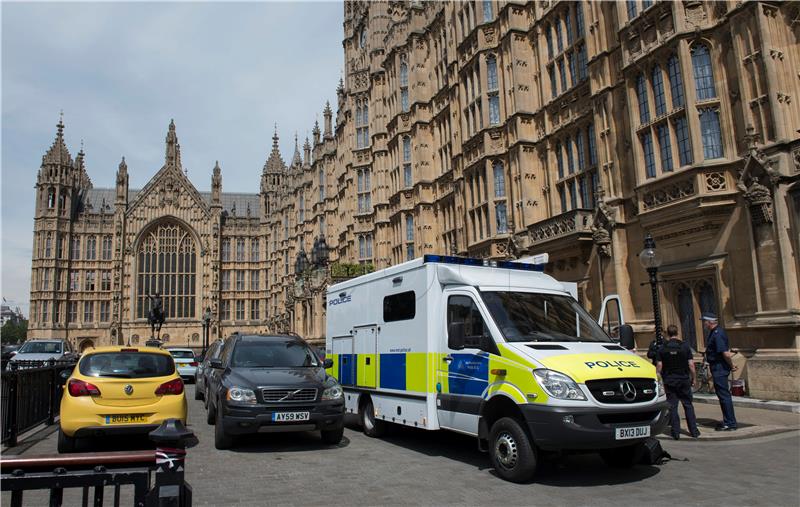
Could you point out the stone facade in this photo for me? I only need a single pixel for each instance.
(504, 129)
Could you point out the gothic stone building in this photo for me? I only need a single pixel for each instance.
(500, 129)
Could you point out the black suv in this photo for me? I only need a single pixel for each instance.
(272, 384)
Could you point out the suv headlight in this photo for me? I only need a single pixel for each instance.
(558, 385)
(240, 395)
(332, 393)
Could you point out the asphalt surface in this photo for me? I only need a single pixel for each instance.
(411, 466)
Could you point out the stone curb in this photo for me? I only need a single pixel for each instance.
(740, 401)
(727, 436)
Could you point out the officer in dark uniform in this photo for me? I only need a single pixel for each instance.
(719, 356)
(674, 363)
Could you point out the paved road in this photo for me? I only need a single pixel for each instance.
(441, 468)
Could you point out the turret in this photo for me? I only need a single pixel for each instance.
(306, 154)
(55, 179)
(315, 133)
(328, 114)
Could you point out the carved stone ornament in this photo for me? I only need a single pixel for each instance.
(602, 240)
(759, 200)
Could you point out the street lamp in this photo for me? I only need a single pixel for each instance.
(322, 251)
(206, 328)
(651, 260)
(301, 263)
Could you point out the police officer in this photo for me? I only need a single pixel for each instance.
(718, 355)
(674, 363)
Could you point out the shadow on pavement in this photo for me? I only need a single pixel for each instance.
(284, 442)
(588, 470)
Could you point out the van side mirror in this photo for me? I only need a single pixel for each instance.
(455, 335)
(215, 363)
(327, 363)
(626, 337)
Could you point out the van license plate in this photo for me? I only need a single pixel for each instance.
(125, 419)
(634, 432)
(290, 416)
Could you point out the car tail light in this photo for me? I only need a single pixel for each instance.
(80, 388)
(171, 387)
(193, 363)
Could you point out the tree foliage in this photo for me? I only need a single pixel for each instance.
(14, 332)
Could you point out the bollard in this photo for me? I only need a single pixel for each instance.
(172, 439)
(53, 387)
(13, 408)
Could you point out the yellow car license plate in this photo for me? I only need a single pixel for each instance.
(125, 419)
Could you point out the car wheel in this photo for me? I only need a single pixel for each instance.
(332, 437)
(511, 451)
(221, 439)
(197, 394)
(211, 414)
(372, 427)
(620, 457)
(66, 444)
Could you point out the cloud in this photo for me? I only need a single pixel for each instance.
(226, 72)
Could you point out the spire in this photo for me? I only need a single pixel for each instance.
(216, 184)
(296, 160)
(58, 154)
(173, 151)
(275, 162)
(328, 114)
(307, 153)
(122, 182)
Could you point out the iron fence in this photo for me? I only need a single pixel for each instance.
(31, 395)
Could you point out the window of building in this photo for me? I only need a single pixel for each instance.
(583, 189)
(581, 148)
(321, 178)
(105, 311)
(548, 35)
(559, 37)
(592, 145)
(573, 196)
(409, 227)
(573, 73)
(255, 247)
(659, 97)
(363, 190)
(583, 66)
(675, 81)
(362, 246)
(407, 181)
(703, 74)
(226, 280)
(369, 246)
(89, 281)
(499, 179)
(665, 147)
(710, 132)
(239, 279)
(579, 18)
(570, 155)
(254, 279)
(45, 279)
(402, 306)
(487, 10)
(502, 219)
(553, 86)
(562, 196)
(568, 26)
(72, 312)
(57, 279)
(91, 248)
(105, 279)
(75, 248)
(641, 94)
(255, 309)
(88, 311)
(166, 265)
(239, 310)
(106, 249)
(559, 161)
(404, 105)
(649, 159)
(239, 249)
(225, 310)
(684, 142)
(226, 249)
(59, 246)
(631, 7)
(45, 312)
(74, 281)
(563, 75)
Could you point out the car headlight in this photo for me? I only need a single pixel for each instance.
(558, 385)
(332, 393)
(240, 395)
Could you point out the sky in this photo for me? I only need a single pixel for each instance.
(225, 72)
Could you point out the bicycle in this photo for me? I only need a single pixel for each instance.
(703, 380)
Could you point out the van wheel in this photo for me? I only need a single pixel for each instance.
(211, 414)
(511, 451)
(66, 444)
(332, 437)
(620, 457)
(372, 427)
(221, 439)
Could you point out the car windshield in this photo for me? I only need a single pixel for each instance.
(527, 317)
(182, 354)
(273, 354)
(126, 365)
(41, 348)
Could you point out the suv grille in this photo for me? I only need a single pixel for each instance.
(288, 395)
(624, 390)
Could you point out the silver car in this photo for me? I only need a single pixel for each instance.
(185, 362)
(42, 350)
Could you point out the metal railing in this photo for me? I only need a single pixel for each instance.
(157, 476)
(31, 395)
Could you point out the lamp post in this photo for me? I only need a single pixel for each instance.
(651, 260)
(206, 328)
(301, 263)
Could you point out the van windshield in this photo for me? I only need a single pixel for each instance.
(527, 317)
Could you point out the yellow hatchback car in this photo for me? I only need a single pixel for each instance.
(120, 391)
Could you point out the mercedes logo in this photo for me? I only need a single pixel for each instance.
(128, 389)
(628, 390)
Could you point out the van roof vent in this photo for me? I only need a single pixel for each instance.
(613, 347)
(547, 346)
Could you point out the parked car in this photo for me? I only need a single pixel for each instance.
(185, 362)
(44, 350)
(203, 369)
(272, 384)
(119, 391)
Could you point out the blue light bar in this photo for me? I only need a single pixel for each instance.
(468, 261)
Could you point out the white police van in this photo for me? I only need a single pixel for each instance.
(494, 349)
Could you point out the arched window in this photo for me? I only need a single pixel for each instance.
(404, 106)
(491, 72)
(407, 183)
(499, 180)
(166, 264)
(675, 81)
(548, 35)
(51, 198)
(703, 74)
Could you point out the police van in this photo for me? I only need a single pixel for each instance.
(494, 349)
